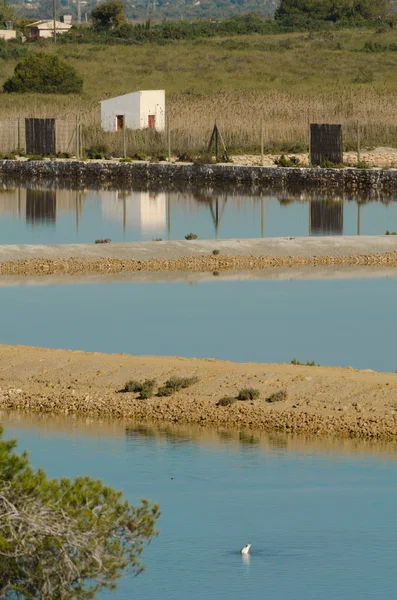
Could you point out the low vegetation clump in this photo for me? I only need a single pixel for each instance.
(103, 241)
(226, 401)
(44, 74)
(279, 396)
(308, 363)
(216, 252)
(328, 164)
(174, 384)
(145, 389)
(191, 236)
(98, 151)
(287, 161)
(157, 239)
(391, 232)
(248, 394)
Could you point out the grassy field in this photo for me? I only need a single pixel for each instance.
(286, 80)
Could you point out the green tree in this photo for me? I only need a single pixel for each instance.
(65, 539)
(45, 74)
(109, 15)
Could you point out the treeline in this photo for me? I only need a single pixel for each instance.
(252, 23)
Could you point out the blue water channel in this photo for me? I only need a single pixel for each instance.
(321, 523)
(347, 322)
(48, 216)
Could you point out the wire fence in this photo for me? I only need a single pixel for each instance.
(82, 137)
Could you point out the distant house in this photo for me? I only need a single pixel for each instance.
(45, 29)
(137, 110)
(8, 34)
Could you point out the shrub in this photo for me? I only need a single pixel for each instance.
(157, 239)
(248, 394)
(285, 161)
(328, 164)
(174, 384)
(226, 401)
(44, 74)
(391, 233)
(97, 151)
(308, 363)
(216, 252)
(191, 236)
(277, 396)
(361, 164)
(145, 388)
(104, 241)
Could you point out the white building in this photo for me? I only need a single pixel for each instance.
(137, 110)
(8, 34)
(45, 29)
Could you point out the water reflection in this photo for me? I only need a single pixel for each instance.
(45, 214)
(326, 217)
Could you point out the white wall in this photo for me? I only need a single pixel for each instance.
(8, 34)
(127, 105)
(153, 103)
(136, 108)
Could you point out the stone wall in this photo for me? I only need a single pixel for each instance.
(77, 173)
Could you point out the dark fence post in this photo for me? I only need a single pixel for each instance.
(326, 144)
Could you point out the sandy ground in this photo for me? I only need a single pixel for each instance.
(198, 256)
(378, 157)
(320, 400)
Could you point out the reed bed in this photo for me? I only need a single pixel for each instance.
(240, 117)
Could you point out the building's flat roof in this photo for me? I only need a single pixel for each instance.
(50, 24)
(129, 94)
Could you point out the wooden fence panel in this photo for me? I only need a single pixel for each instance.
(40, 136)
(326, 144)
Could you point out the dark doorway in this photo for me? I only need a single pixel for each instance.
(40, 136)
(152, 121)
(120, 122)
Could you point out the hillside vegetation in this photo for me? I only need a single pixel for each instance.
(285, 79)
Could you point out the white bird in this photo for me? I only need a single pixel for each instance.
(246, 549)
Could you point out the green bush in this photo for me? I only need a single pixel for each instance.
(144, 388)
(285, 161)
(248, 394)
(97, 151)
(191, 236)
(174, 384)
(44, 74)
(226, 401)
(308, 363)
(278, 396)
(216, 252)
(103, 241)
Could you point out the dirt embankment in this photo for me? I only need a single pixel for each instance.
(320, 400)
(199, 255)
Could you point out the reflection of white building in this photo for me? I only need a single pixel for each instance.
(146, 211)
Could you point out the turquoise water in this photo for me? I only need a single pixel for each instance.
(48, 216)
(321, 523)
(337, 322)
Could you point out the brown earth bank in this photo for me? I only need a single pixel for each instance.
(212, 256)
(329, 401)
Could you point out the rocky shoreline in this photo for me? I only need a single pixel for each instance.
(323, 401)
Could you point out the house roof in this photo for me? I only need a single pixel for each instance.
(49, 24)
